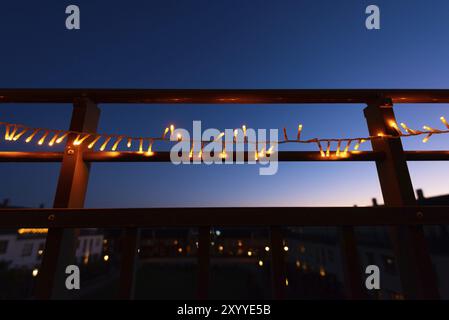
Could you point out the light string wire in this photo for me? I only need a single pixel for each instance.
(13, 132)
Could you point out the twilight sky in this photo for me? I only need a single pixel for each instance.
(223, 44)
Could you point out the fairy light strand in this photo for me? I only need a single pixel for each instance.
(14, 132)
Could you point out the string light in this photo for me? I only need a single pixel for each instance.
(13, 132)
(140, 145)
(11, 136)
(59, 140)
(105, 143)
(7, 132)
(41, 141)
(407, 129)
(79, 141)
(52, 141)
(328, 149)
(431, 129)
(395, 127)
(91, 145)
(444, 122)
(17, 137)
(357, 145)
(31, 136)
(338, 148)
(321, 149)
(150, 149)
(165, 133)
(114, 147)
(426, 138)
(299, 132)
(348, 145)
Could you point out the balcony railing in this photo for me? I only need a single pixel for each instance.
(400, 213)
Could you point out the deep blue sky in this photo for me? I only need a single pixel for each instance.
(223, 44)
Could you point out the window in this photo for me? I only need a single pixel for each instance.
(3, 246)
(27, 249)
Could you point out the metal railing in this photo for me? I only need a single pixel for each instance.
(400, 213)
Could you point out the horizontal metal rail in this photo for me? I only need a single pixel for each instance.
(225, 217)
(283, 156)
(224, 96)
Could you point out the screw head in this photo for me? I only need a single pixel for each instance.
(51, 217)
(419, 214)
(70, 151)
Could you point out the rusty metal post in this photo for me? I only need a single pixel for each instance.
(351, 264)
(278, 274)
(130, 242)
(203, 262)
(416, 271)
(60, 246)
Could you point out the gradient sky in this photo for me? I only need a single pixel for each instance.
(223, 44)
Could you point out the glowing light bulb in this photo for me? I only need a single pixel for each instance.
(79, 141)
(407, 129)
(11, 136)
(150, 149)
(115, 145)
(16, 137)
(328, 149)
(270, 150)
(31, 136)
(337, 153)
(140, 145)
(105, 143)
(172, 128)
(299, 132)
(53, 140)
(427, 138)
(427, 128)
(129, 143)
(219, 136)
(92, 144)
(395, 127)
(244, 130)
(42, 139)
(60, 139)
(444, 122)
(357, 145)
(321, 149)
(7, 132)
(179, 137)
(348, 145)
(165, 132)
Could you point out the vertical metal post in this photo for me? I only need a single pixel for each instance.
(130, 241)
(351, 264)
(60, 245)
(278, 274)
(417, 274)
(203, 262)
